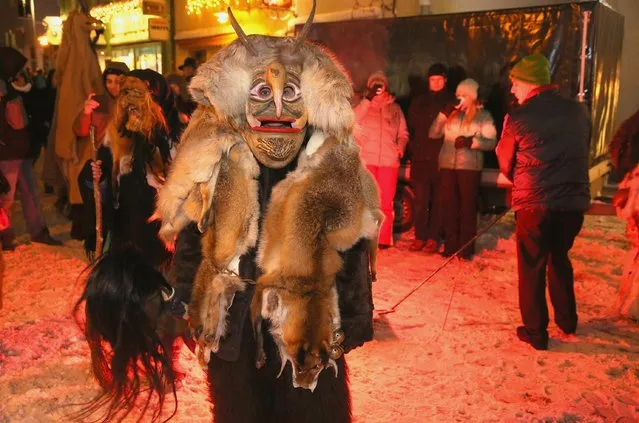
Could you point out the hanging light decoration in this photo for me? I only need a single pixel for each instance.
(120, 8)
(218, 7)
(278, 4)
(196, 7)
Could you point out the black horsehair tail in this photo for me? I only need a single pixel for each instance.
(122, 304)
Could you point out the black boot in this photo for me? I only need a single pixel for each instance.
(7, 240)
(44, 237)
(538, 342)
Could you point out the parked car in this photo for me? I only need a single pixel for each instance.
(494, 196)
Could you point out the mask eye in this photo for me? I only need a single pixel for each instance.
(261, 92)
(291, 93)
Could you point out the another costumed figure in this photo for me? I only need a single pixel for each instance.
(274, 219)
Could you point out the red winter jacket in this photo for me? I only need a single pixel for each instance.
(380, 131)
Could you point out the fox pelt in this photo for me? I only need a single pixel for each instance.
(336, 204)
(326, 205)
(134, 113)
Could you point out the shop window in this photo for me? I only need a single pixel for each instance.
(124, 55)
(149, 57)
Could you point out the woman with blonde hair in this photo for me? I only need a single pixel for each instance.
(468, 130)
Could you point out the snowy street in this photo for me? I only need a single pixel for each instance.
(416, 370)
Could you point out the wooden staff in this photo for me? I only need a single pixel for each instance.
(97, 195)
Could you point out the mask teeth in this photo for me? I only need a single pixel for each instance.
(332, 364)
(284, 361)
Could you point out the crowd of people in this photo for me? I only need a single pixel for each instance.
(28, 102)
(447, 135)
(26, 111)
(542, 148)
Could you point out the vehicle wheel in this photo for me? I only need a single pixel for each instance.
(403, 203)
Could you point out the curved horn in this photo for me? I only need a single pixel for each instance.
(240, 34)
(306, 29)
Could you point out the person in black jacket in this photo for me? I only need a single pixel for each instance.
(544, 152)
(425, 152)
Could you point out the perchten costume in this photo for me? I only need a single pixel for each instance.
(272, 216)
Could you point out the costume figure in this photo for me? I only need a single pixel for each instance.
(627, 204)
(77, 75)
(271, 214)
(97, 113)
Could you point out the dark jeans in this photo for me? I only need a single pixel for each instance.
(427, 211)
(543, 241)
(459, 191)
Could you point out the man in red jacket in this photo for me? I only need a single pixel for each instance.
(544, 151)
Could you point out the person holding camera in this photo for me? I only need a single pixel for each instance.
(468, 131)
(382, 135)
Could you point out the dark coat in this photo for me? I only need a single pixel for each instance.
(14, 143)
(544, 152)
(421, 114)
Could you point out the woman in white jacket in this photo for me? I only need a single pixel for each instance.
(468, 130)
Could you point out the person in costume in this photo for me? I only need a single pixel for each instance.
(271, 214)
(77, 75)
(137, 138)
(97, 113)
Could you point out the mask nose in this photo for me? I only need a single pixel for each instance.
(276, 78)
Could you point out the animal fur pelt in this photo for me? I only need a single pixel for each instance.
(325, 206)
(77, 74)
(135, 114)
(225, 207)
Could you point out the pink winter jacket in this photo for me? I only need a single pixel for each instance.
(380, 131)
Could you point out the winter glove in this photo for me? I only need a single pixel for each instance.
(463, 142)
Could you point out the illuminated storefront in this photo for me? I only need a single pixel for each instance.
(202, 26)
(136, 32)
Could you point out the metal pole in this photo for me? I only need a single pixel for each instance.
(36, 45)
(584, 46)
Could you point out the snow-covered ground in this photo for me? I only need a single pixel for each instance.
(449, 352)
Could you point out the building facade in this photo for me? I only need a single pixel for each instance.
(136, 33)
